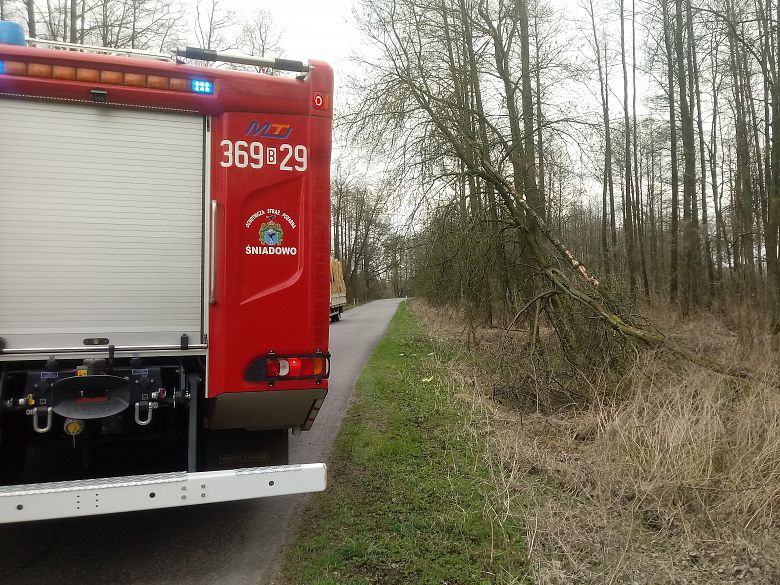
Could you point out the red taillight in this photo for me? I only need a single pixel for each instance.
(295, 368)
(272, 368)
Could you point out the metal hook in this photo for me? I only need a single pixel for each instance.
(150, 407)
(49, 417)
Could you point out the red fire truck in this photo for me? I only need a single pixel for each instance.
(164, 276)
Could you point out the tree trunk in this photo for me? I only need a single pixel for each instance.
(608, 186)
(638, 205)
(628, 224)
(710, 270)
(773, 227)
(31, 29)
(690, 234)
(539, 118)
(675, 212)
(74, 10)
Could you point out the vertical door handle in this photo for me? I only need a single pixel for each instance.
(213, 254)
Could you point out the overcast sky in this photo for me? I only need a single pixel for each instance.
(311, 29)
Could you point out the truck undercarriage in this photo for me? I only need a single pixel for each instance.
(81, 437)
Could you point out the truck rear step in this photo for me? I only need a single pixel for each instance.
(67, 499)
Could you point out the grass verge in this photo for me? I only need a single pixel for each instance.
(408, 497)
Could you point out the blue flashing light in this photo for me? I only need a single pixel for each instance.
(11, 33)
(2, 67)
(202, 86)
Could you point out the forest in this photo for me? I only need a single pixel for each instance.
(635, 140)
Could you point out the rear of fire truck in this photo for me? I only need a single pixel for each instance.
(164, 277)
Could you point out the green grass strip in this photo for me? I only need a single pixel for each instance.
(406, 498)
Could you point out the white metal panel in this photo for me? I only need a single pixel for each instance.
(67, 499)
(101, 225)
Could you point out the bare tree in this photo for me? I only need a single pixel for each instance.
(361, 233)
(412, 44)
(259, 36)
(608, 214)
(211, 23)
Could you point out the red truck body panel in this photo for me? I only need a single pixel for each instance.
(270, 302)
(265, 301)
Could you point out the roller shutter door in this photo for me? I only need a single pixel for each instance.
(101, 225)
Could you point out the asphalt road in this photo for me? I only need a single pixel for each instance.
(229, 544)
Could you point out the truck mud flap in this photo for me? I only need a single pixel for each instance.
(67, 499)
(237, 448)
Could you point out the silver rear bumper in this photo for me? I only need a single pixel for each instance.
(66, 499)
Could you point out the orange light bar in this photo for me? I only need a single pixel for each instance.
(135, 79)
(38, 70)
(14, 68)
(89, 75)
(157, 82)
(115, 77)
(60, 72)
(180, 84)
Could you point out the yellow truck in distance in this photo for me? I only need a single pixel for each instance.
(338, 290)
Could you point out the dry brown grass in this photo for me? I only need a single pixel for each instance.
(675, 478)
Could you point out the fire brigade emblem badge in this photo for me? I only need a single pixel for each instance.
(271, 233)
